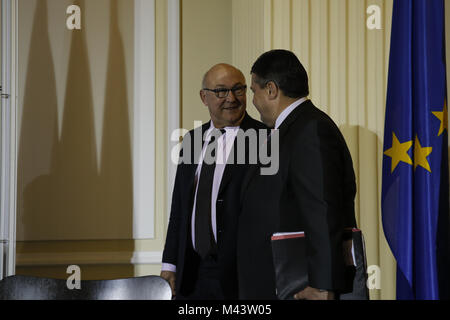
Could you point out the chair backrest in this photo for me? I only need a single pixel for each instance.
(35, 288)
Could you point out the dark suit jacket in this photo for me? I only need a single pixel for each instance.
(178, 248)
(313, 192)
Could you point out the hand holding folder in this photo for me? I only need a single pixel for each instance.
(291, 270)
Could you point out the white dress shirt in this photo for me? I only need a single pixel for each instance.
(224, 146)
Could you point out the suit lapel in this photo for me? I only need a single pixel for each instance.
(252, 169)
(229, 168)
(195, 155)
(227, 174)
(195, 152)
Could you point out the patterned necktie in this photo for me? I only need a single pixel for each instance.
(204, 238)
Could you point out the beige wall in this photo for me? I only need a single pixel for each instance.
(75, 167)
(75, 121)
(206, 40)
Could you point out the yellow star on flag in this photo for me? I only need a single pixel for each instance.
(443, 117)
(399, 152)
(420, 155)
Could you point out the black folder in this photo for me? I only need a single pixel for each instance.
(289, 260)
(291, 271)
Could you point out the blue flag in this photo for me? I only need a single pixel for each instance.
(415, 199)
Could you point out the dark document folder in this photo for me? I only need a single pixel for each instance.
(291, 270)
(289, 259)
(356, 274)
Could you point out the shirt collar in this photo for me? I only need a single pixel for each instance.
(286, 112)
(227, 129)
(211, 126)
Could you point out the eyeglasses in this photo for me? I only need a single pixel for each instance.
(223, 92)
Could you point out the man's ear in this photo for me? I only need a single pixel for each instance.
(272, 90)
(203, 97)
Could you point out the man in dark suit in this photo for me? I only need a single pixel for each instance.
(199, 258)
(313, 190)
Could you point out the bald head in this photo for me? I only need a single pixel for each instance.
(225, 110)
(219, 71)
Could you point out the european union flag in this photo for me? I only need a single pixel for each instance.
(415, 199)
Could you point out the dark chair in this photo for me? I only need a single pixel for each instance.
(34, 288)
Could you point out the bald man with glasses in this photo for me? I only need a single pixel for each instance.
(199, 258)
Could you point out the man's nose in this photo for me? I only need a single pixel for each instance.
(231, 96)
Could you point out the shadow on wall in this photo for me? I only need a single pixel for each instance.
(61, 193)
(366, 149)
